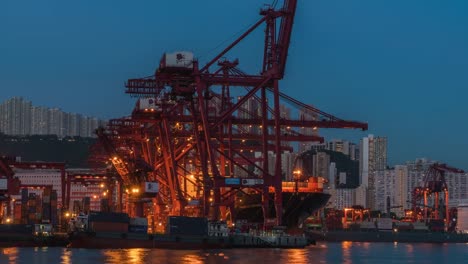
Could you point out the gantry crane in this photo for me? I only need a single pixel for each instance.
(434, 183)
(194, 131)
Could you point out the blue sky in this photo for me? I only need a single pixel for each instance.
(400, 65)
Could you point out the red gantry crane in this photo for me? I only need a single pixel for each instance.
(434, 183)
(202, 125)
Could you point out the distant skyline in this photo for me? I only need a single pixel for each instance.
(399, 65)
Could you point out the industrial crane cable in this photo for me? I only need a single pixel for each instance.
(274, 3)
(288, 98)
(237, 34)
(308, 107)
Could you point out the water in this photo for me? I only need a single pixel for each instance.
(345, 252)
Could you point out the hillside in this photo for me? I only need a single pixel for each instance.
(73, 151)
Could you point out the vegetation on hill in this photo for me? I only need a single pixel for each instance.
(73, 151)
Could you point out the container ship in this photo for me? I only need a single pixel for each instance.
(300, 201)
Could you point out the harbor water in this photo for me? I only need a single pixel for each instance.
(346, 252)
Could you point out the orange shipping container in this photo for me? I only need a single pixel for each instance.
(17, 212)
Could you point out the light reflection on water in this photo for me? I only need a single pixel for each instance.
(121, 256)
(346, 252)
(12, 254)
(297, 256)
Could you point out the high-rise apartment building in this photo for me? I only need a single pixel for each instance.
(342, 198)
(373, 157)
(307, 115)
(348, 148)
(250, 110)
(20, 117)
(39, 120)
(321, 164)
(15, 116)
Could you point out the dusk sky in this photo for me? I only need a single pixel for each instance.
(400, 65)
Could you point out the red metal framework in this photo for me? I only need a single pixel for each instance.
(434, 183)
(13, 183)
(194, 132)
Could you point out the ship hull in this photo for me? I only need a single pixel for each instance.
(296, 207)
(388, 236)
(109, 240)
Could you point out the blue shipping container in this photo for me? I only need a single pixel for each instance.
(137, 229)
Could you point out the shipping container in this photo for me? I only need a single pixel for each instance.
(17, 212)
(462, 218)
(437, 225)
(148, 104)
(108, 217)
(139, 221)
(181, 59)
(105, 205)
(150, 187)
(385, 223)
(47, 192)
(15, 228)
(86, 202)
(54, 219)
(3, 184)
(108, 227)
(24, 195)
(368, 225)
(137, 229)
(77, 208)
(182, 225)
(403, 226)
(46, 212)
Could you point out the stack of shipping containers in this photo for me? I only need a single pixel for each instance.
(24, 206)
(46, 205)
(17, 212)
(32, 207)
(77, 208)
(105, 205)
(86, 205)
(53, 208)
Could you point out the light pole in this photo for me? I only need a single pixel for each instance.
(297, 175)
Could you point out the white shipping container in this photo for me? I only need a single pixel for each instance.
(147, 103)
(384, 224)
(420, 226)
(3, 184)
(248, 182)
(151, 187)
(367, 225)
(462, 218)
(180, 59)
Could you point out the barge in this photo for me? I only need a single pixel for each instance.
(112, 231)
